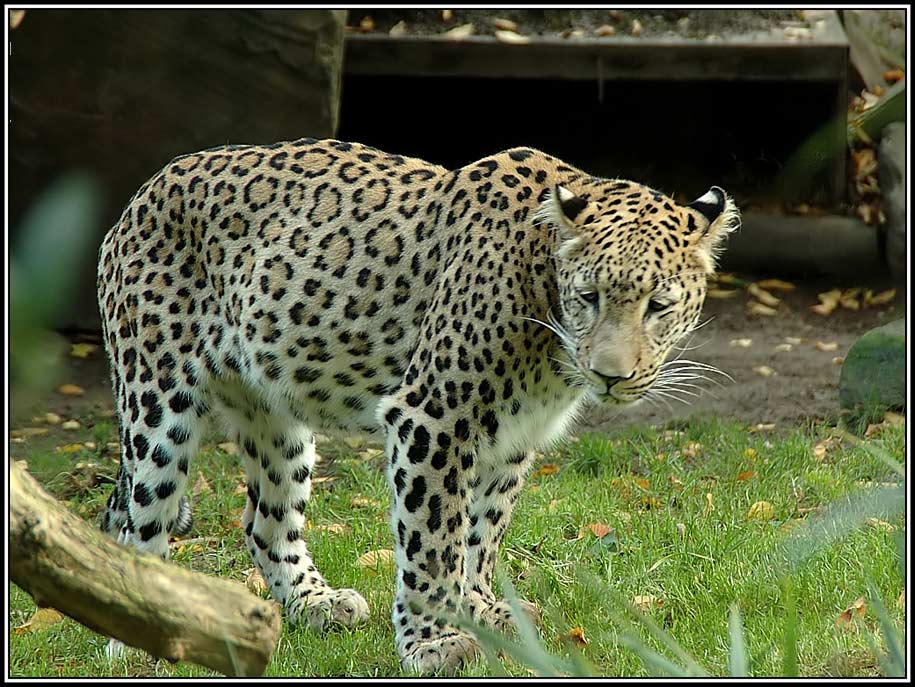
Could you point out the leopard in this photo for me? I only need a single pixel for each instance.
(463, 318)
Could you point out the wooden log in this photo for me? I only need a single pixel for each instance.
(135, 597)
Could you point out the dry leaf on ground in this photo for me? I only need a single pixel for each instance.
(878, 524)
(459, 32)
(399, 29)
(776, 285)
(201, 485)
(709, 507)
(332, 528)
(691, 449)
(646, 602)
(71, 390)
(504, 24)
(26, 432)
(881, 298)
(363, 502)
(229, 447)
(546, 470)
(722, 293)
(604, 31)
(82, 350)
(761, 510)
(764, 371)
(746, 475)
(763, 296)
(742, 343)
(577, 636)
(598, 529)
(374, 559)
(756, 308)
(825, 346)
(846, 619)
(41, 619)
(511, 37)
(70, 425)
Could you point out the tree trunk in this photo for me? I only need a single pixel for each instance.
(135, 597)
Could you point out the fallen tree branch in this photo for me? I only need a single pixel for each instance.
(137, 598)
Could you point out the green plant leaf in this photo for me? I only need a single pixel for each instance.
(737, 655)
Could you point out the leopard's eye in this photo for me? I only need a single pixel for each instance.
(592, 297)
(656, 306)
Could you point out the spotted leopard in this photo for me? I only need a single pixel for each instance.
(461, 316)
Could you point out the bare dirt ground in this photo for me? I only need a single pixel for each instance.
(802, 389)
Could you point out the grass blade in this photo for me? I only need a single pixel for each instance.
(737, 656)
(789, 646)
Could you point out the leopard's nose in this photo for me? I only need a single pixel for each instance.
(611, 380)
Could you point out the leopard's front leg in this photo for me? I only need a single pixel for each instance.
(430, 469)
(497, 488)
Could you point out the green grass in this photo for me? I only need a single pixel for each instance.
(697, 554)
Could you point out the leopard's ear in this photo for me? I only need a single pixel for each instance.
(562, 208)
(715, 215)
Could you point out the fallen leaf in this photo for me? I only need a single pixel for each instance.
(459, 32)
(650, 503)
(604, 31)
(71, 390)
(504, 24)
(636, 28)
(756, 308)
(52, 418)
(746, 475)
(27, 432)
(577, 636)
(374, 559)
(229, 447)
(824, 309)
(69, 448)
(82, 350)
(900, 602)
(751, 454)
(838, 360)
(764, 371)
(776, 285)
(881, 298)
(742, 343)
(641, 483)
(333, 528)
(399, 29)
(691, 449)
(681, 529)
(893, 75)
(40, 620)
(511, 37)
(363, 502)
(546, 470)
(826, 346)
(761, 510)
(646, 602)
(70, 425)
(447, 15)
(763, 296)
(255, 583)
(709, 507)
(354, 442)
(878, 524)
(367, 24)
(722, 293)
(846, 619)
(762, 427)
(240, 488)
(783, 348)
(598, 529)
(201, 485)
(793, 340)
(370, 453)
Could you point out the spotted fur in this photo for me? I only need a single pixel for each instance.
(463, 316)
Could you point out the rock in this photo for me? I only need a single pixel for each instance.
(874, 369)
(891, 157)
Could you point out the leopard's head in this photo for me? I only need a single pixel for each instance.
(631, 266)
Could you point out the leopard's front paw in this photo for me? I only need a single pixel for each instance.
(499, 616)
(332, 607)
(443, 655)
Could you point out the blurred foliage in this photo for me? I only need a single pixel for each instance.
(53, 245)
(890, 108)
